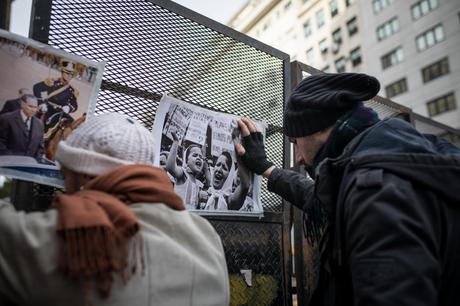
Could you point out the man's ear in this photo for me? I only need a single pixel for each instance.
(325, 133)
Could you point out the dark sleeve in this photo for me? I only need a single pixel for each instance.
(4, 132)
(8, 107)
(291, 186)
(38, 88)
(391, 238)
(41, 147)
(72, 102)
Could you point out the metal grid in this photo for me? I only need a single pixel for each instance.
(151, 50)
(256, 247)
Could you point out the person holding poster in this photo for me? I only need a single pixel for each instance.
(120, 235)
(382, 213)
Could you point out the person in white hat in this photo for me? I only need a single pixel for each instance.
(119, 236)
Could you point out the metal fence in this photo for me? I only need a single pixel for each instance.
(154, 47)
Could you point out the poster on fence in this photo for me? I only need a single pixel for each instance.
(197, 151)
(45, 93)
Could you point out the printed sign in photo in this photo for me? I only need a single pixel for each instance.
(45, 93)
(197, 151)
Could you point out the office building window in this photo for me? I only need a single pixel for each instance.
(430, 38)
(441, 104)
(333, 7)
(307, 28)
(352, 26)
(320, 18)
(355, 56)
(435, 70)
(396, 88)
(392, 58)
(388, 28)
(379, 5)
(337, 36)
(423, 7)
(323, 46)
(349, 2)
(340, 65)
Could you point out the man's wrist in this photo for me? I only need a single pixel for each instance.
(268, 172)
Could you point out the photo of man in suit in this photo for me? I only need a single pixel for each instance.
(21, 133)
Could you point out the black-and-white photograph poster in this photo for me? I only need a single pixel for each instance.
(197, 151)
(45, 93)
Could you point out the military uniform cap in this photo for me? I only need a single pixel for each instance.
(67, 66)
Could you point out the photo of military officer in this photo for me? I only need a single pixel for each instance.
(60, 83)
(57, 97)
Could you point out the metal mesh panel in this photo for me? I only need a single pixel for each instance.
(150, 50)
(384, 110)
(256, 247)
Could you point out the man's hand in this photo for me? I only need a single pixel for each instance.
(252, 149)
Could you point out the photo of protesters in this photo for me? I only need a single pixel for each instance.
(61, 88)
(197, 152)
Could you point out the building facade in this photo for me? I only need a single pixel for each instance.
(411, 46)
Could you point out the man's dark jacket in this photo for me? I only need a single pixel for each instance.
(11, 106)
(13, 136)
(393, 201)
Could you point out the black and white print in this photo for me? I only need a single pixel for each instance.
(197, 152)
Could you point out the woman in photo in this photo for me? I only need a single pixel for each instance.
(220, 192)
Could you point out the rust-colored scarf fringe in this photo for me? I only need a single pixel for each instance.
(95, 225)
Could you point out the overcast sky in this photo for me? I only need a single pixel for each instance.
(219, 10)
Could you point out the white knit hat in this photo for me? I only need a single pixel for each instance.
(105, 143)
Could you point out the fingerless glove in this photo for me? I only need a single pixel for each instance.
(255, 158)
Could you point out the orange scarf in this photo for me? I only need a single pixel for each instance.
(95, 224)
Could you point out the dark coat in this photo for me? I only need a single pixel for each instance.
(13, 139)
(394, 218)
(11, 106)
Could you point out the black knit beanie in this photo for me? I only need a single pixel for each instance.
(319, 100)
